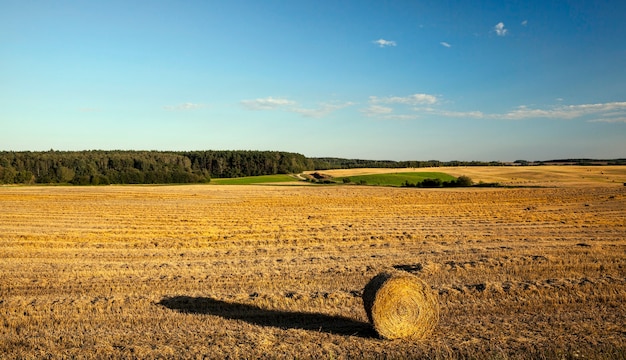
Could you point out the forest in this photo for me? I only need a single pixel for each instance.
(99, 167)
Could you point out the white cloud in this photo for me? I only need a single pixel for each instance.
(183, 107)
(268, 103)
(422, 99)
(321, 111)
(607, 112)
(415, 99)
(524, 112)
(375, 110)
(386, 112)
(425, 105)
(385, 107)
(445, 44)
(420, 105)
(565, 112)
(384, 43)
(525, 22)
(462, 114)
(500, 30)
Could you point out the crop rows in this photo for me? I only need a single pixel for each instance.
(278, 271)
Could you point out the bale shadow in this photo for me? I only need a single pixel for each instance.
(255, 315)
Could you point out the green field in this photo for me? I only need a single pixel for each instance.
(396, 179)
(249, 180)
(391, 179)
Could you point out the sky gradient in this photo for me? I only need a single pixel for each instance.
(384, 80)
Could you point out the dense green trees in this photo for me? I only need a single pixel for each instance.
(227, 164)
(142, 167)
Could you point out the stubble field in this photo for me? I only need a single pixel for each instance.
(208, 271)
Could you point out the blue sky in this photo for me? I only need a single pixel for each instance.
(397, 80)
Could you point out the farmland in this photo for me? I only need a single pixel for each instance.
(397, 179)
(251, 180)
(278, 271)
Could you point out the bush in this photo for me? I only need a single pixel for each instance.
(461, 181)
(430, 183)
(464, 181)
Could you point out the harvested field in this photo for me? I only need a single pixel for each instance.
(551, 175)
(278, 271)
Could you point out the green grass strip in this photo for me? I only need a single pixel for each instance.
(251, 180)
(397, 179)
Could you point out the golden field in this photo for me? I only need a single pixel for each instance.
(208, 271)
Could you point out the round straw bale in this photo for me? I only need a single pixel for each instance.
(400, 305)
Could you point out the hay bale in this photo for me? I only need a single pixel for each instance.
(400, 305)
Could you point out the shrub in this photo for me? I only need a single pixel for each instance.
(430, 183)
(464, 181)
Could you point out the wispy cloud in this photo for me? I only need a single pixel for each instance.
(184, 107)
(500, 29)
(422, 105)
(415, 99)
(606, 112)
(445, 44)
(387, 107)
(322, 110)
(268, 103)
(387, 113)
(384, 43)
(565, 112)
(426, 105)
(376, 110)
(461, 114)
(525, 22)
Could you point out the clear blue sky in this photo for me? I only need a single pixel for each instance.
(398, 80)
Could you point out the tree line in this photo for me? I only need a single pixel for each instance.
(99, 167)
(339, 163)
